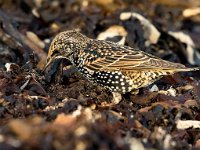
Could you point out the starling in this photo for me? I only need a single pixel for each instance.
(119, 68)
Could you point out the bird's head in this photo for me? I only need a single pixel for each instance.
(65, 44)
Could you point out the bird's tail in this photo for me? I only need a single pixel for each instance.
(175, 70)
(187, 69)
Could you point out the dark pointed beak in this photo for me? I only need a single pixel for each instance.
(50, 60)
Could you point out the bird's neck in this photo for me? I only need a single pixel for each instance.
(76, 58)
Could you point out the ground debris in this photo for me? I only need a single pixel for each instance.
(59, 109)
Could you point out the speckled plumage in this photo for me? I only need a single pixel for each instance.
(118, 68)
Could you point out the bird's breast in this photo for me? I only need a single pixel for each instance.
(115, 80)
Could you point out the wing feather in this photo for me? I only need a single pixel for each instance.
(115, 57)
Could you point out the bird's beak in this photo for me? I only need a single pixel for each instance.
(50, 60)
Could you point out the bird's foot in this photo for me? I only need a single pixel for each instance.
(117, 97)
(135, 91)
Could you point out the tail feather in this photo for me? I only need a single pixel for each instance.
(186, 69)
(183, 69)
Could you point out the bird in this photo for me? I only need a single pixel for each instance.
(119, 68)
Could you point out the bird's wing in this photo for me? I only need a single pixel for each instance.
(114, 57)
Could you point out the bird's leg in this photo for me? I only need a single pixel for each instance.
(135, 91)
(117, 97)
